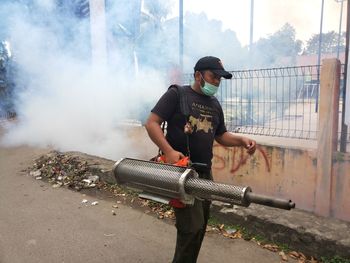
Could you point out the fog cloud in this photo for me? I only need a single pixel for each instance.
(61, 99)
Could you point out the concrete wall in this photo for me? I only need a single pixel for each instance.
(275, 171)
(340, 194)
(285, 173)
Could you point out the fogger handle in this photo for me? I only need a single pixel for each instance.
(269, 201)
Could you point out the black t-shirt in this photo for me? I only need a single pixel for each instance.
(206, 118)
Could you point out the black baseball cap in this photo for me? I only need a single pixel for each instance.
(213, 64)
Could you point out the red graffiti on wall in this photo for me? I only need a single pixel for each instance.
(239, 157)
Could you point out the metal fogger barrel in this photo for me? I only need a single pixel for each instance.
(162, 182)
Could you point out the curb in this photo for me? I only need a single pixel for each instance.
(299, 230)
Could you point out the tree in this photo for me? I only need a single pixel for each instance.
(158, 9)
(150, 41)
(159, 40)
(203, 36)
(273, 50)
(329, 43)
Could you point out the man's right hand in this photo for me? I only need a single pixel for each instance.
(173, 156)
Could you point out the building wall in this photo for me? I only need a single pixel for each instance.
(340, 198)
(285, 173)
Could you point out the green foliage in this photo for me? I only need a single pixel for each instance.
(335, 259)
(158, 9)
(329, 43)
(206, 36)
(213, 221)
(283, 247)
(270, 51)
(339, 157)
(248, 235)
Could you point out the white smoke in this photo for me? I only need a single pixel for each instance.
(64, 102)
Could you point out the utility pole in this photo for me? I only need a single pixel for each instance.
(181, 34)
(345, 110)
(250, 64)
(319, 56)
(320, 38)
(251, 25)
(340, 20)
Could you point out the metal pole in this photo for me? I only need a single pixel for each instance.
(250, 88)
(344, 127)
(320, 38)
(181, 35)
(319, 56)
(339, 33)
(251, 24)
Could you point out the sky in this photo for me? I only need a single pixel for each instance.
(270, 16)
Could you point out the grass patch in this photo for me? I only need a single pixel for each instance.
(247, 235)
(335, 259)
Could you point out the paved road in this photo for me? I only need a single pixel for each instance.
(39, 223)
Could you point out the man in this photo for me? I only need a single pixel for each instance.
(193, 136)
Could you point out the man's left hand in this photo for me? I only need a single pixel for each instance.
(249, 144)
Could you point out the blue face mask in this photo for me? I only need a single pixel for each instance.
(209, 89)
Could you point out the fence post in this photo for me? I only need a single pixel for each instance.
(327, 133)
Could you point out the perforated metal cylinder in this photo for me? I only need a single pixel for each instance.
(164, 179)
(208, 189)
(182, 183)
(153, 177)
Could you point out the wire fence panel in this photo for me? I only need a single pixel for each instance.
(279, 102)
(275, 102)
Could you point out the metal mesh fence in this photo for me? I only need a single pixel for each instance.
(273, 102)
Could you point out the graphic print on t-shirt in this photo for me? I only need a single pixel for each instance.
(204, 118)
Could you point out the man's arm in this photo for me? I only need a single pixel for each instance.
(229, 139)
(157, 136)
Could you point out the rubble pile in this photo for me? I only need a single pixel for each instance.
(64, 170)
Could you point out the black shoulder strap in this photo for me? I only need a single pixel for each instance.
(184, 107)
(185, 110)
